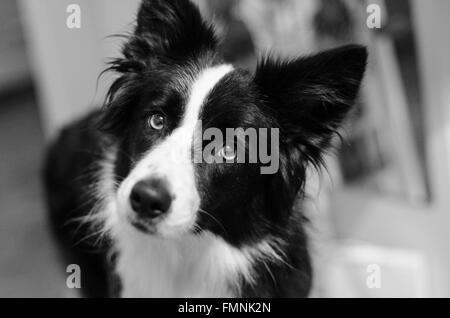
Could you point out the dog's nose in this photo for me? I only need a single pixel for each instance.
(150, 198)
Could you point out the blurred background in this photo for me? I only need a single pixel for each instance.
(388, 205)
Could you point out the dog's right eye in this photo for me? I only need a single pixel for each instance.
(157, 121)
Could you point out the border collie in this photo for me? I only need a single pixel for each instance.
(162, 225)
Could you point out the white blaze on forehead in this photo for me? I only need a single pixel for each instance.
(199, 92)
(180, 173)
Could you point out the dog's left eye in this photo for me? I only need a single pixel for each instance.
(157, 121)
(228, 153)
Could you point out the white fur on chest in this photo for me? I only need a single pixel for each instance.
(192, 266)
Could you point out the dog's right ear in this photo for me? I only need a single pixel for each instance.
(166, 31)
(174, 28)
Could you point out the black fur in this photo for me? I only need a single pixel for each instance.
(70, 178)
(306, 98)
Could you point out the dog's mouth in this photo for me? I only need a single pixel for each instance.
(154, 227)
(144, 228)
(142, 225)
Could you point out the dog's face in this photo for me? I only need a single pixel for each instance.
(175, 176)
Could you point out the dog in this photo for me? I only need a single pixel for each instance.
(142, 218)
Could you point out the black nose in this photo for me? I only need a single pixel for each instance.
(150, 198)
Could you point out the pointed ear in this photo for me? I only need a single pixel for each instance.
(168, 30)
(174, 27)
(311, 96)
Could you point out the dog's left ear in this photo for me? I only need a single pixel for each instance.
(174, 27)
(311, 96)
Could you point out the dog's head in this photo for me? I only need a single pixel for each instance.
(174, 108)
